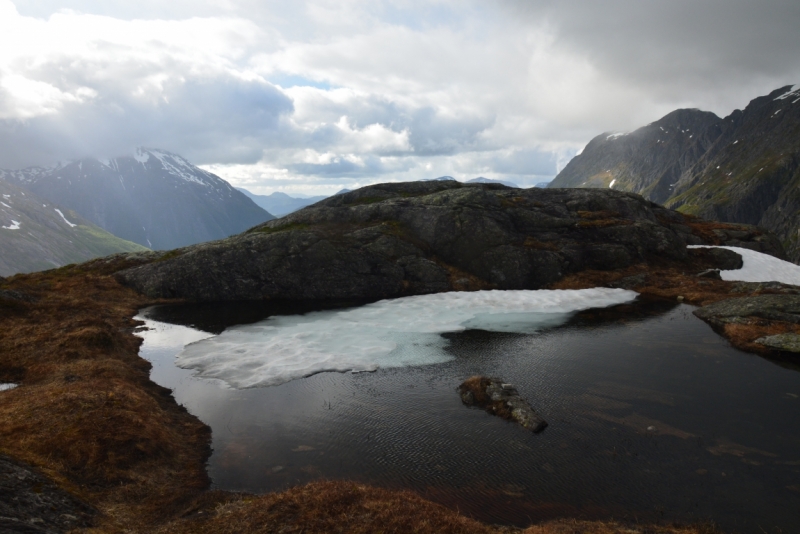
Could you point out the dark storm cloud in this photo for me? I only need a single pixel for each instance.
(219, 120)
(679, 47)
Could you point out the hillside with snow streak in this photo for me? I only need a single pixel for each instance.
(153, 197)
(36, 234)
(743, 168)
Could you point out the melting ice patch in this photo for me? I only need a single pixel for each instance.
(390, 333)
(758, 267)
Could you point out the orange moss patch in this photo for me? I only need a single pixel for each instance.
(705, 229)
(572, 526)
(331, 507)
(601, 219)
(539, 245)
(743, 335)
(348, 507)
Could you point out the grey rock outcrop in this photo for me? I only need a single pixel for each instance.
(30, 503)
(391, 240)
(785, 342)
(785, 308)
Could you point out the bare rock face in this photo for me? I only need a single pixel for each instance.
(392, 240)
(502, 400)
(29, 503)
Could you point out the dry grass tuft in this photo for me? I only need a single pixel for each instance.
(345, 507)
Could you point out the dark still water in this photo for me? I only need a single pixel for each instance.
(653, 417)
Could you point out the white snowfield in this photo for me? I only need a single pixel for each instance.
(390, 333)
(760, 267)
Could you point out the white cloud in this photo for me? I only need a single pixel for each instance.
(317, 95)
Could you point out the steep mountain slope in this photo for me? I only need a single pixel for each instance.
(279, 204)
(153, 198)
(744, 168)
(37, 235)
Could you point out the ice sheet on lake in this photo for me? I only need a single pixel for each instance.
(390, 333)
(760, 267)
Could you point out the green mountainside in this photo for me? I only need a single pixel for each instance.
(744, 168)
(36, 235)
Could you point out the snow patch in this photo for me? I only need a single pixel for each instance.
(7, 386)
(14, 225)
(178, 166)
(794, 91)
(142, 156)
(616, 135)
(65, 219)
(760, 267)
(390, 333)
(4, 204)
(612, 183)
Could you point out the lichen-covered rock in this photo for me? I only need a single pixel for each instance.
(784, 308)
(783, 342)
(391, 240)
(500, 399)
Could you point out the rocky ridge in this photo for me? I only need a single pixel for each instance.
(744, 168)
(391, 240)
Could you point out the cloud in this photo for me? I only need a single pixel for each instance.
(316, 95)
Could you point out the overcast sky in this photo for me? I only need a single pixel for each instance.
(312, 96)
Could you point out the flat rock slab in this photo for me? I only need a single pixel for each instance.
(784, 308)
(500, 399)
(784, 342)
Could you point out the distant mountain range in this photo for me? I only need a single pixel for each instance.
(280, 204)
(744, 168)
(36, 234)
(154, 198)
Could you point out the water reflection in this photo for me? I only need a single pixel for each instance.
(652, 416)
